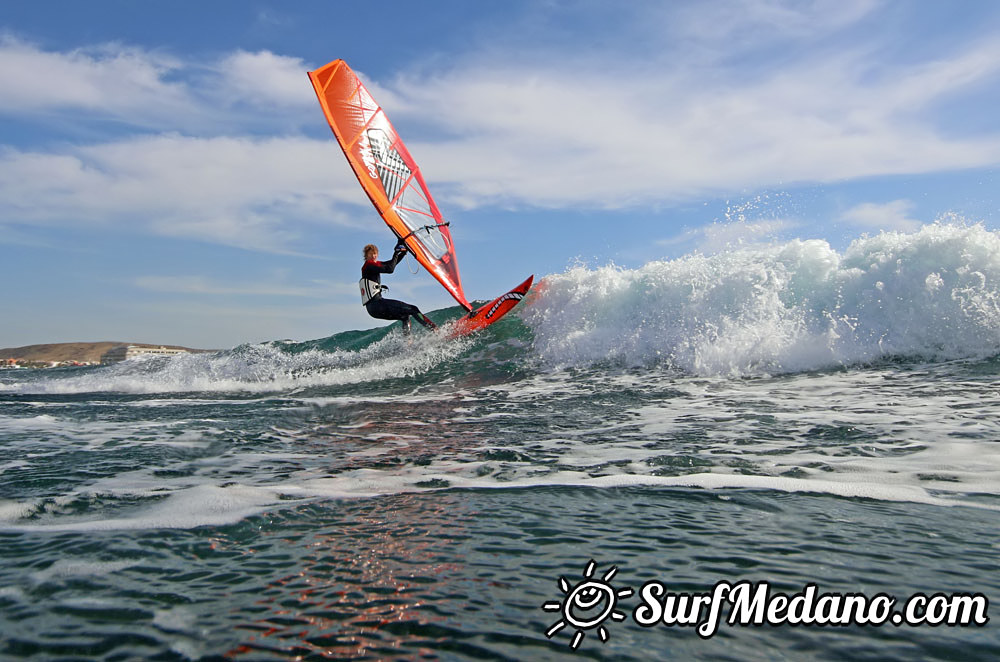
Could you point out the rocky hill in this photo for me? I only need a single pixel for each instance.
(71, 351)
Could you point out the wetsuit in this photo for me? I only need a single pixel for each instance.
(378, 306)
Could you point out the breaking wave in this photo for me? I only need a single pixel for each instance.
(801, 305)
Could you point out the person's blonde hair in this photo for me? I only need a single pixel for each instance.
(369, 248)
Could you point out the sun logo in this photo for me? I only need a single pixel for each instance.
(587, 605)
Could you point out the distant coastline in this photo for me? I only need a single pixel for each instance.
(70, 352)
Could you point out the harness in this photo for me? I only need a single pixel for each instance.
(370, 289)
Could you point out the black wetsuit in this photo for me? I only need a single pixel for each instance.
(389, 309)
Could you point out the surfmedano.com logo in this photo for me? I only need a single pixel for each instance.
(587, 605)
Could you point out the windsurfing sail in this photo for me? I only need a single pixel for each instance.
(387, 172)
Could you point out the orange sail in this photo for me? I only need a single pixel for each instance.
(387, 172)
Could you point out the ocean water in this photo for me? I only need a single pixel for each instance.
(787, 414)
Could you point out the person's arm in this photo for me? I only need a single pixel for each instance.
(397, 255)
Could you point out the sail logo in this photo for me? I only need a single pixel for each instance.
(510, 296)
(367, 157)
(392, 169)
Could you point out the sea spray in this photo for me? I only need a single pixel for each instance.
(781, 308)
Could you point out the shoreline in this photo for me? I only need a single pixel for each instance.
(75, 352)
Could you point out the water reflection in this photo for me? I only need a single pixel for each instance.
(376, 581)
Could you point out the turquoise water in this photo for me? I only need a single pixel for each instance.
(783, 414)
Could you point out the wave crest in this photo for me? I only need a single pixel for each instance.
(783, 308)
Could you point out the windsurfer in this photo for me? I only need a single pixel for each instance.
(371, 289)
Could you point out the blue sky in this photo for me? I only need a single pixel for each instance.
(167, 176)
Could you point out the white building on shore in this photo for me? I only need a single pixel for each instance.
(126, 352)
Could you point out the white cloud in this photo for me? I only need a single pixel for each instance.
(608, 138)
(111, 79)
(890, 216)
(259, 193)
(265, 78)
(252, 193)
(152, 90)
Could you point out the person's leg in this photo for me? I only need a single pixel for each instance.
(410, 310)
(419, 316)
(393, 309)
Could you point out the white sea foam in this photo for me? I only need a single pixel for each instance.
(11, 510)
(176, 619)
(783, 308)
(41, 435)
(370, 483)
(199, 505)
(262, 368)
(71, 568)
